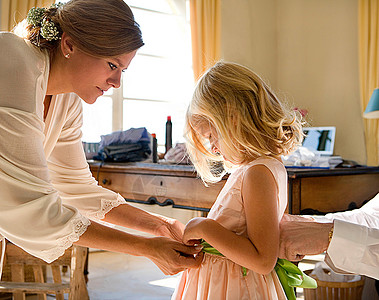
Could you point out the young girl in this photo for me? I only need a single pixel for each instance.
(236, 120)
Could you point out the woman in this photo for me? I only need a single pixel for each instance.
(47, 193)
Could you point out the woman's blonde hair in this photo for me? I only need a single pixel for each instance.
(101, 28)
(247, 116)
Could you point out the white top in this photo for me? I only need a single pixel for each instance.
(44, 177)
(354, 247)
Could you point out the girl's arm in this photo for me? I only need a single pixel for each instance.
(260, 250)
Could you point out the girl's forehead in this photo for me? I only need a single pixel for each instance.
(205, 129)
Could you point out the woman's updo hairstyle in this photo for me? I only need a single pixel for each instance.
(101, 28)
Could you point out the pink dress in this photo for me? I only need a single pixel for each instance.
(218, 278)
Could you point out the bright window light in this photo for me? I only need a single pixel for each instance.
(159, 81)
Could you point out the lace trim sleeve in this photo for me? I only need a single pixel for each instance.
(106, 206)
(79, 226)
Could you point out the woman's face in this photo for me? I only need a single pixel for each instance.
(89, 77)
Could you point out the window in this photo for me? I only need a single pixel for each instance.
(158, 82)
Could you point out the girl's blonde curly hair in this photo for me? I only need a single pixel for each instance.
(247, 116)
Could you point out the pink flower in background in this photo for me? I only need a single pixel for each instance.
(303, 112)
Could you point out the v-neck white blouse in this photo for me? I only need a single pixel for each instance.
(47, 192)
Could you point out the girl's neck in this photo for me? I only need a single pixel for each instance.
(260, 157)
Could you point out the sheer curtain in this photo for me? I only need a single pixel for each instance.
(205, 17)
(369, 71)
(14, 11)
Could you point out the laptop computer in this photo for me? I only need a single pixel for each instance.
(320, 139)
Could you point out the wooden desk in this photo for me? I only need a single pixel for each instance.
(317, 191)
(309, 190)
(149, 183)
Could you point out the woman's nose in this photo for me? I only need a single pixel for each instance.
(115, 81)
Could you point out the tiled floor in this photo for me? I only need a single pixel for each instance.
(114, 276)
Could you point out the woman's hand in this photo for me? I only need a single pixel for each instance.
(172, 257)
(300, 236)
(171, 228)
(193, 231)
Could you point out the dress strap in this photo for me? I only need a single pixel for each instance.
(3, 242)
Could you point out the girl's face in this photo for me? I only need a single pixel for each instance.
(208, 132)
(90, 76)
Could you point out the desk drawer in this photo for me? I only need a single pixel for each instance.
(336, 193)
(180, 191)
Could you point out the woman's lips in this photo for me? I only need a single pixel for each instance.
(102, 91)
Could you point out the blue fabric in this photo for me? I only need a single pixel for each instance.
(130, 136)
(125, 146)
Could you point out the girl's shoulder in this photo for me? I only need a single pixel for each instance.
(275, 166)
(267, 161)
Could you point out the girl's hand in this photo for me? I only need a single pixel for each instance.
(193, 231)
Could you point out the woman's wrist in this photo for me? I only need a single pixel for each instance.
(160, 225)
(327, 234)
(146, 246)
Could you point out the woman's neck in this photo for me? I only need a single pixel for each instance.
(57, 82)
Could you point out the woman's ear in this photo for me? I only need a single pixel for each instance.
(67, 46)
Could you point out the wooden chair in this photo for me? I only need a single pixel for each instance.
(17, 261)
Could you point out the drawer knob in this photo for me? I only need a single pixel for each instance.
(106, 181)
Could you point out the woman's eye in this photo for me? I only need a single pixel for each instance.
(112, 66)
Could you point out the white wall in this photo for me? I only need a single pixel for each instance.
(308, 51)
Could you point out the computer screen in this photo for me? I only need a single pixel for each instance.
(320, 139)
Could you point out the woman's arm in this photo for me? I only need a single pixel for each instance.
(72, 177)
(132, 217)
(169, 255)
(353, 243)
(260, 250)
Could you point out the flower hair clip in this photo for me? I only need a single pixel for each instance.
(35, 16)
(49, 30)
